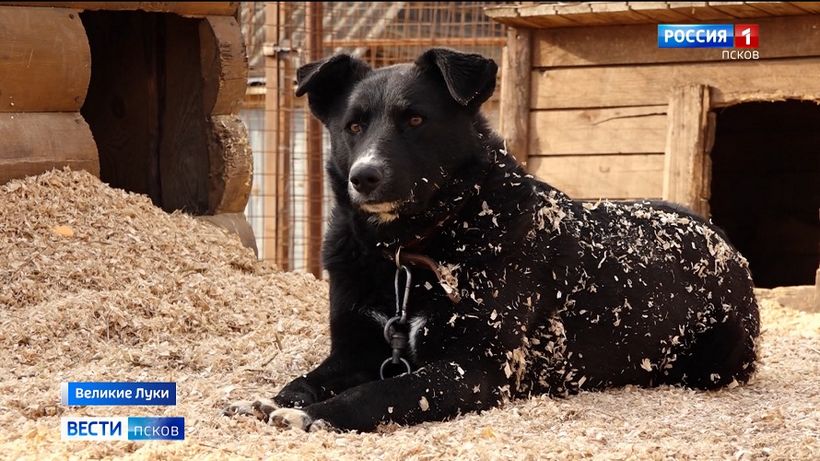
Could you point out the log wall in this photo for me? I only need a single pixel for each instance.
(159, 101)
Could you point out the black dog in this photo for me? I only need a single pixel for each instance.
(516, 289)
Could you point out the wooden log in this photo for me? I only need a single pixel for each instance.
(45, 62)
(687, 170)
(122, 106)
(183, 147)
(224, 64)
(236, 224)
(645, 85)
(634, 44)
(630, 130)
(193, 9)
(516, 70)
(602, 176)
(231, 165)
(37, 142)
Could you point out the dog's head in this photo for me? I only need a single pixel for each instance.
(400, 133)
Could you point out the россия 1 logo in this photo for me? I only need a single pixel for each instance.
(745, 37)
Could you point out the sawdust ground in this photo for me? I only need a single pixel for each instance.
(97, 284)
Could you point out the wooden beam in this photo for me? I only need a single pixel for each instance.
(224, 64)
(544, 15)
(37, 142)
(45, 62)
(687, 170)
(739, 10)
(271, 139)
(414, 41)
(541, 15)
(551, 15)
(658, 12)
(778, 8)
(636, 44)
(194, 9)
(628, 130)
(813, 7)
(231, 165)
(598, 13)
(602, 176)
(645, 85)
(699, 11)
(315, 179)
(283, 158)
(516, 70)
(276, 156)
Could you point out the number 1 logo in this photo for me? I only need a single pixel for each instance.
(747, 35)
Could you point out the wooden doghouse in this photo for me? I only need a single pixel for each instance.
(594, 107)
(142, 94)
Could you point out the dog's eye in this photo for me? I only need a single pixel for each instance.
(415, 120)
(355, 128)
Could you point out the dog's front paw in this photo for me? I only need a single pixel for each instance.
(320, 425)
(290, 417)
(260, 409)
(299, 393)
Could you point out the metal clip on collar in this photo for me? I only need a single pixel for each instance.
(395, 337)
(401, 303)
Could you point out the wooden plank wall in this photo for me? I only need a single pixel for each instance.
(599, 97)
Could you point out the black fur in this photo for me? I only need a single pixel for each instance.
(557, 295)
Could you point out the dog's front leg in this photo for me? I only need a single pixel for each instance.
(335, 374)
(436, 392)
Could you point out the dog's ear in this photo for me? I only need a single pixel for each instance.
(326, 81)
(470, 78)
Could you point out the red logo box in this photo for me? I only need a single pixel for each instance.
(747, 35)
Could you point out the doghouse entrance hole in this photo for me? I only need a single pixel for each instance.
(145, 108)
(766, 187)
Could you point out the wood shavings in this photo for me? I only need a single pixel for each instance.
(63, 231)
(449, 277)
(424, 404)
(138, 294)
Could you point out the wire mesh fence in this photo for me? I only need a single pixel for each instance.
(290, 201)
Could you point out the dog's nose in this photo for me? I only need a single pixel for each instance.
(366, 177)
